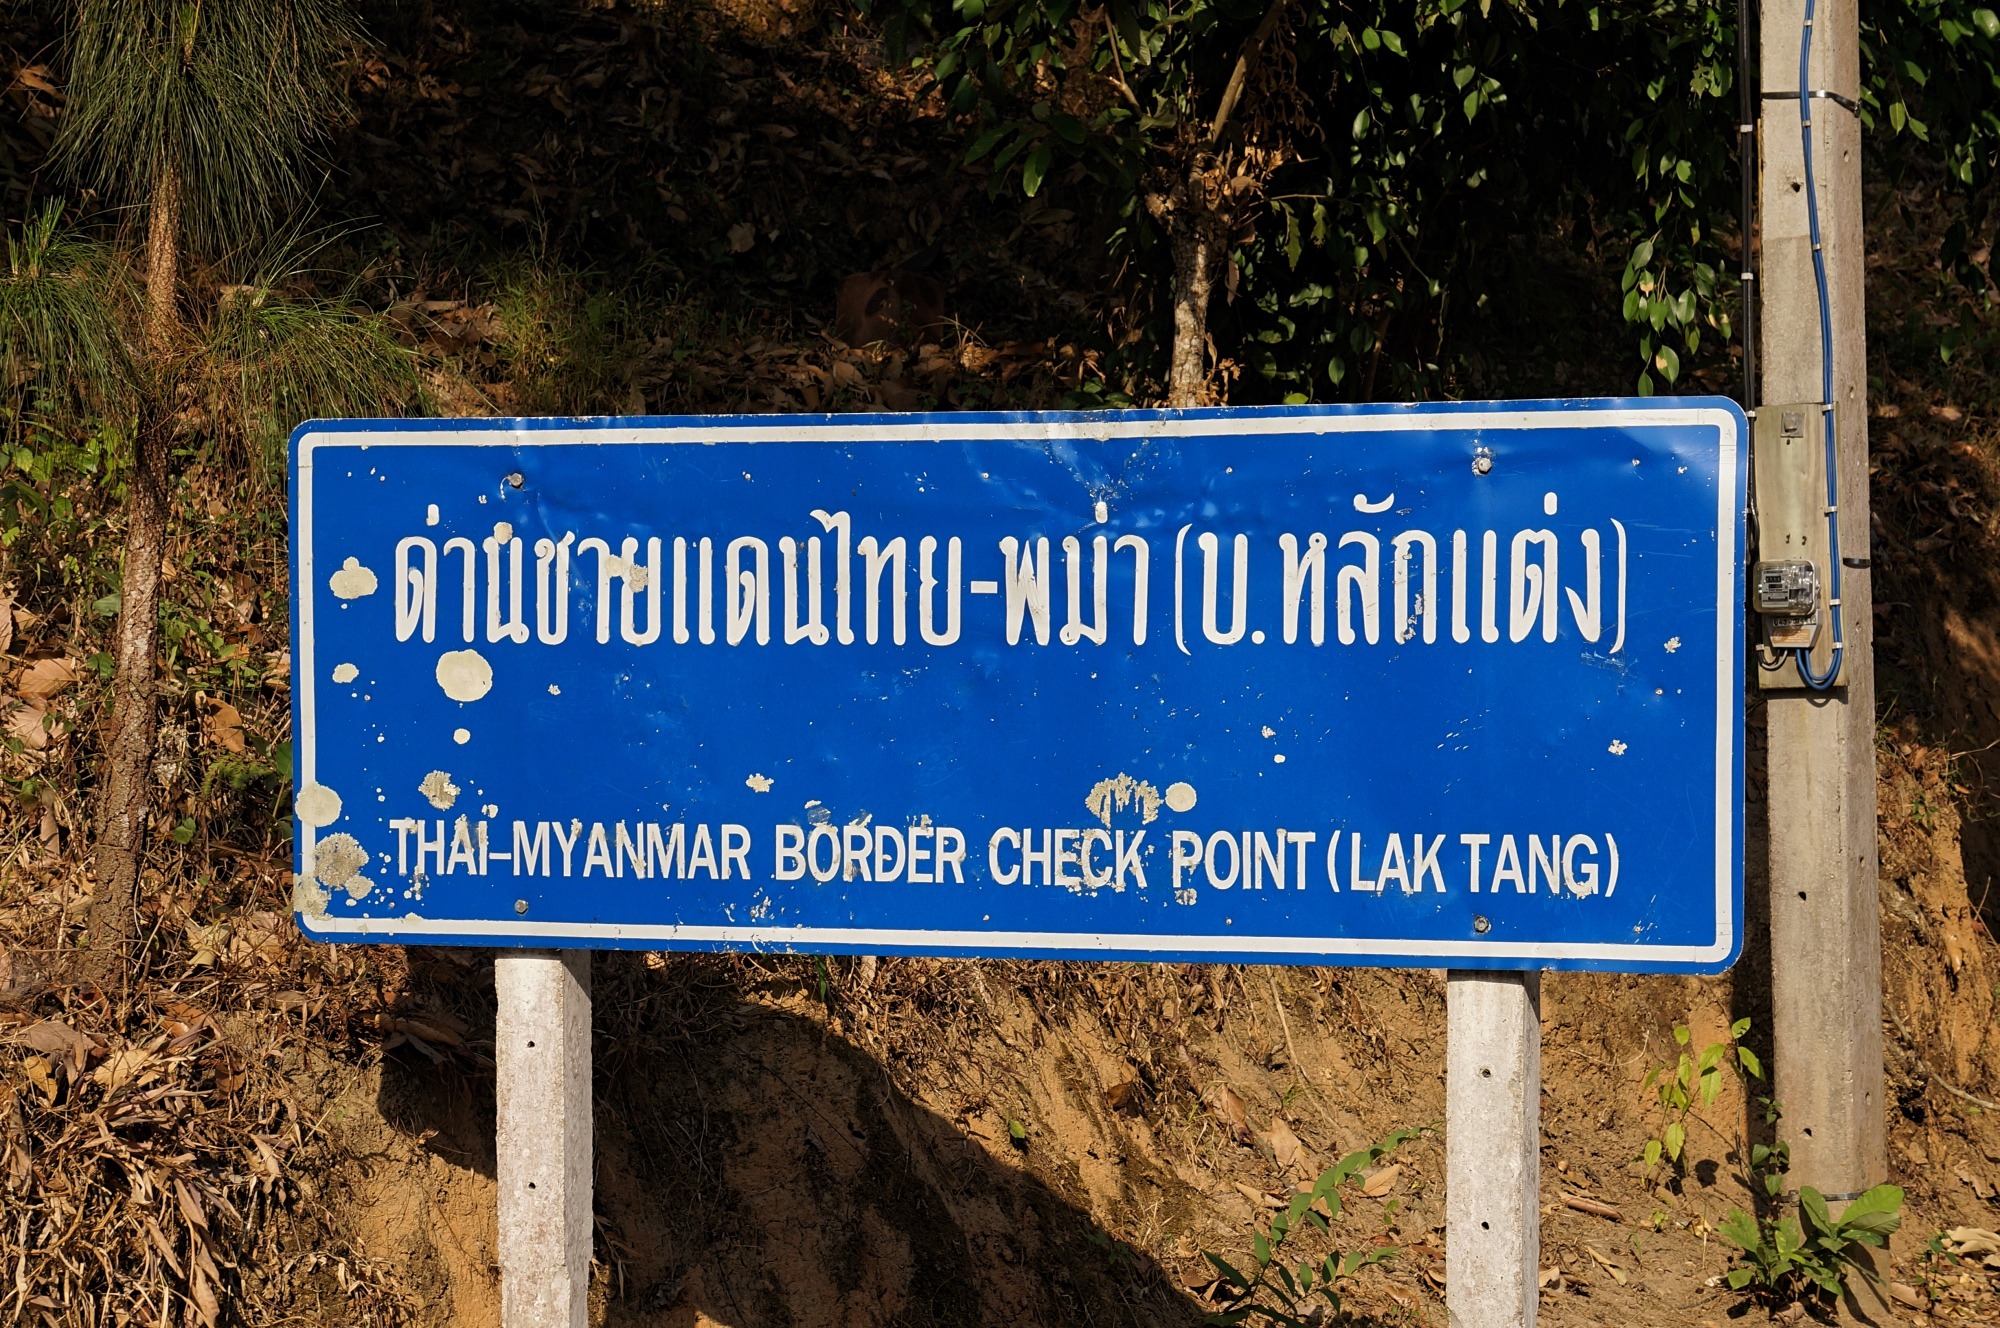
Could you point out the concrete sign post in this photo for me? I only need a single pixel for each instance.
(1493, 1147)
(1448, 686)
(542, 1069)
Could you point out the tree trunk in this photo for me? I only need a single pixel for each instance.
(128, 760)
(163, 256)
(124, 794)
(1194, 278)
(1199, 232)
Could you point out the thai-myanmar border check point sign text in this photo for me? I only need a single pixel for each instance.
(1445, 686)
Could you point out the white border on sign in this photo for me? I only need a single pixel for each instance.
(305, 673)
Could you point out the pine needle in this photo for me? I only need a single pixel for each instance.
(63, 359)
(227, 94)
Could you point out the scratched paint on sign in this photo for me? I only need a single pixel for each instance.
(1451, 685)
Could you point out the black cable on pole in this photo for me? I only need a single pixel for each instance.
(1746, 159)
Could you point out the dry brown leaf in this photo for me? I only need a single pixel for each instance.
(1260, 1198)
(182, 1036)
(1619, 1273)
(190, 1206)
(40, 1074)
(434, 1026)
(203, 1296)
(225, 726)
(121, 1068)
(47, 678)
(266, 1166)
(1382, 1180)
(6, 620)
(29, 723)
(1231, 1110)
(56, 1038)
(261, 938)
(1284, 1146)
(164, 1246)
(36, 77)
(438, 1029)
(208, 943)
(187, 1013)
(1972, 1241)
(1123, 1097)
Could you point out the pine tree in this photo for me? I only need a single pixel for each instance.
(198, 118)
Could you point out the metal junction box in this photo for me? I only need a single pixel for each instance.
(1791, 578)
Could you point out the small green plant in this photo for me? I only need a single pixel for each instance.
(1785, 1257)
(1274, 1289)
(1939, 1263)
(1693, 1084)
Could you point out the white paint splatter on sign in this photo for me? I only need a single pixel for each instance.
(337, 860)
(464, 674)
(317, 806)
(438, 790)
(1120, 792)
(352, 581)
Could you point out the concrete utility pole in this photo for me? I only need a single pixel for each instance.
(1826, 959)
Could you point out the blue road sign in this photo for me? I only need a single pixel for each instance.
(1442, 686)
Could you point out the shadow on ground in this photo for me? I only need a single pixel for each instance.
(755, 1167)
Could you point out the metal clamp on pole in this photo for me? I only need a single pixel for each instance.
(1848, 103)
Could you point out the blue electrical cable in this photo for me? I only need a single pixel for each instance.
(1821, 682)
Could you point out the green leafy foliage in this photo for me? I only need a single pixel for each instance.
(1054, 82)
(1277, 1287)
(1785, 1257)
(1691, 1085)
(1931, 91)
(1931, 70)
(1440, 174)
(67, 392)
